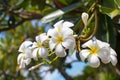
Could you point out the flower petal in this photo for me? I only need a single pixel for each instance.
(19, 58)
(28, 53)
(37, 38)
(102, 44)
(104, 54)
(43, 37)
(22, 64)
(43, 52)
(53, 33)
(27, 61)
(112, 52)
(34, 54)
(86, 44)
(113, 60)
(66, 32)
(84, 54)
(52, 44)
(24, 45)
(93, 61)
(59, 24)
(69, 43)
(34, 45)
(67, 24)
(59, 51)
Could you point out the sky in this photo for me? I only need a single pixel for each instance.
(2, 34)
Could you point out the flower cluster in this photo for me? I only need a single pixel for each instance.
(60, 38)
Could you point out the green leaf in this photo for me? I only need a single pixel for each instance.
(112, 12)
(106, 30)
(60, 12)
(63, 1)
(117, 3)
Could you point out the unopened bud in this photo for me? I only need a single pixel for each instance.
(85, 17)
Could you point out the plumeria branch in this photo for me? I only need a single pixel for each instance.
(44, 62)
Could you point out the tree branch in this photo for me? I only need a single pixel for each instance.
(13, 27)
(24, 15)
(65, 75)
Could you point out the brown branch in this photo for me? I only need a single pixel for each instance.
(64, 74)
(13, 27)
(24, 15)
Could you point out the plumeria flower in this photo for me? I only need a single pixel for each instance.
(38, 47)
(24, 58)
(85, 17)
(96, 50)
(61, 37)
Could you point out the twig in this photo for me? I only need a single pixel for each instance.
(13, 27)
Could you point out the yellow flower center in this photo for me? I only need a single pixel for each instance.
(59, 39)
(39, 45)
(93, 50)
(59, 29)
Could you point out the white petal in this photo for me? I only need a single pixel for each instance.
(113, 60)
(66, 32)
(69, 43)
(112, 52)
(102, 44)
(105, 61)
(34, 45)
(87, 44)
(59, 24)
(37, 38)
(20, 56)
(28, 53)
(27, 61)
(22, 64)
(52, 32)
(34, 54)
(59, 51)
(67, 24)
(93, 61)
(24, 45)
(43, 37)
(43, 52)
(52, 44)
(104, 54)
(84, 54)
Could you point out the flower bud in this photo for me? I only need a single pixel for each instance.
(85, 17)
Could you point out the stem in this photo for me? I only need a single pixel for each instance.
(36, 66)
(79, 24)
(95, 28)
(53, 60)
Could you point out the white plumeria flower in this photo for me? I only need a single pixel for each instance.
(85, 17)
(98, 49)
(24, 58)
(38, 46)
(61, 37)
